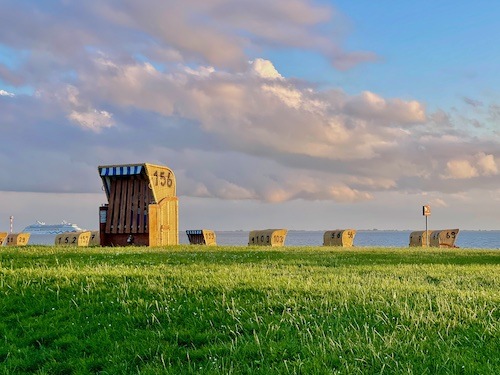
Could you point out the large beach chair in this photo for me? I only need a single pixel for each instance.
(142, 208)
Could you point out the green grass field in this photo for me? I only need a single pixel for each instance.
(248, 310)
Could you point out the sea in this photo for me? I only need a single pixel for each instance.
(487, 239)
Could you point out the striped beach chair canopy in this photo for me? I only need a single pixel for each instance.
(107, 172)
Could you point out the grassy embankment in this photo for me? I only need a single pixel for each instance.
(244, 310)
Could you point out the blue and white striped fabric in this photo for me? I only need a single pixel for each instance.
(123, 170)
(194, 231)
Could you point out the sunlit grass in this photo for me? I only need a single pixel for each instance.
(245, 310)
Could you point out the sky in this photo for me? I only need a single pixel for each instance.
(296, 114)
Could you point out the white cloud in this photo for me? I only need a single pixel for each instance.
(251, 114)
(487, 164)
(372, 183)
(344, 148)
(370, 105)
(460, 169)
(480, 164)
(264, 69)
(6, 93)
(346, 194)
(171, 82)
(202, 71)
(438, 202)
(93, 119)
(290, 97)
(80, 111)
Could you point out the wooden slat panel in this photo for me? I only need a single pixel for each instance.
(153, 212)
(149, 199)
(116, 206)
(129, 206)
(135, 205)
(169, 221)
(123, 207)
(173, 221)
(112, 194)
(140, 207)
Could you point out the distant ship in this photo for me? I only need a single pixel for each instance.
(41, 228)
